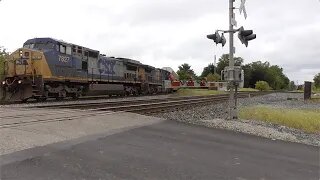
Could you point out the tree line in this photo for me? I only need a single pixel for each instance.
(316, 80)
(254, 72)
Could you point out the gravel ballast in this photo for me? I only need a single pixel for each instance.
(214, 116)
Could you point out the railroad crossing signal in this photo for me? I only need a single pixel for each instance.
(232, 73)
(246, 35)
(243, 8)
(234, 21)
(217, 38)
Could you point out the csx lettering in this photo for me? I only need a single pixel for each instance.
(64, 59)
(106, 66)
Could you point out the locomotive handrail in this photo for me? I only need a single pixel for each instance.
(9, 84)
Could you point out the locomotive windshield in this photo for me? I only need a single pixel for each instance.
(40, 46)
(30, 46)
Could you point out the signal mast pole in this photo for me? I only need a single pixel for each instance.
(233, 73)
(232, 101)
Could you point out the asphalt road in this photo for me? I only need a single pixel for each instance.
(167, 150)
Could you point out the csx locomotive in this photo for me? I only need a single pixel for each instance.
(46, 67)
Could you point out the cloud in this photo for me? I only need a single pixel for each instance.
(171, 32)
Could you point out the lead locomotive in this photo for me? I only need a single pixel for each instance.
(46, 67)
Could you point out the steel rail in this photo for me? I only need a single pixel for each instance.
(113, 103)
(145, 108)
(87, 98)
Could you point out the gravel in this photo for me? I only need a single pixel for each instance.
(215, 116)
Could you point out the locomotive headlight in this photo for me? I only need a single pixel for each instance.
(20, 81)
(3, 82)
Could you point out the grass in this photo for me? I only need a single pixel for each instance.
(297, 91)
(306, 120)
(248, 89)
(198, 92)
(315, 98)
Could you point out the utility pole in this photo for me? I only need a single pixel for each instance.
(232, 101)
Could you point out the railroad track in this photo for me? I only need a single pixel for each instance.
(150, 106)
(156, 106)
(83, 98)
(97, 105)
(55, 119)
(86, 98)
(173, 105)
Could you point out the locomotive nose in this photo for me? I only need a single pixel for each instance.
(20, 70)
(19, 57)
(19, 63)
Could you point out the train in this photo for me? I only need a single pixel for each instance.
(190, 84)
(50, 68)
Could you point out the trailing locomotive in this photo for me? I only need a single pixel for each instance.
(46, 67)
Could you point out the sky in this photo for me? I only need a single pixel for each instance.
(167, 33)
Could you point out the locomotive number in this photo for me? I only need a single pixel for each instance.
(64, 59)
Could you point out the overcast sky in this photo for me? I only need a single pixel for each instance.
(171, 32)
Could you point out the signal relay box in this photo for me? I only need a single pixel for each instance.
(233, 74)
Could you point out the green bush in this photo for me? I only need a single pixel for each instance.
(317, 80)
(3, 55)
(213, 77)
(262, 86)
